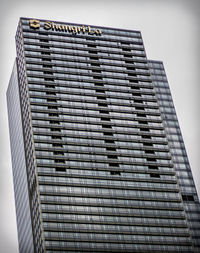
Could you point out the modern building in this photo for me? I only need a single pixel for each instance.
(99, 163)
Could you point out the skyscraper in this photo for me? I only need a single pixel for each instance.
(99, 164)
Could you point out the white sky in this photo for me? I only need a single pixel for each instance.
(170, 31)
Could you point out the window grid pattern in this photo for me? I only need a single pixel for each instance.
(178, 151)
(68, 77)
(28, 148)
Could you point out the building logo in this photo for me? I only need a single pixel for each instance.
(34, 23)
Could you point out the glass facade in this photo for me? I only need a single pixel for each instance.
(177, 148)
(24, 222)
(100, 168)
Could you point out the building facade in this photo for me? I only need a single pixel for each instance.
(99, 163)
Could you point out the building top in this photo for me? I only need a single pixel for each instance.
(126, 31)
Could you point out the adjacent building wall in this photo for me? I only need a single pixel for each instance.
(22, 205)
(178, 151)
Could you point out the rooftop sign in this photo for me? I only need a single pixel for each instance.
(48, 25)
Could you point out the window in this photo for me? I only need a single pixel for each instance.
(110, 149)
(59, 161)
(109, 141)
(154, 175)
(188, 198)
(152, 167)
(103, 111)
(115, 172)
(94, 58)
(149, 151)
(105, 119)
(100, 91)
(112, 157)
(107, 126)
(60, 169)
(101, 97)
(108, 134)
(151, 159)
(114, 164)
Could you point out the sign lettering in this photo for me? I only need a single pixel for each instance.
(35, 24)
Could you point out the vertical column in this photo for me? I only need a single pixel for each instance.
(52, 100)
(103, 109)
(139, 109)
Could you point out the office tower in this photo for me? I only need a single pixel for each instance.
(97, 164)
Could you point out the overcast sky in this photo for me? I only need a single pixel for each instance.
(170, 31)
